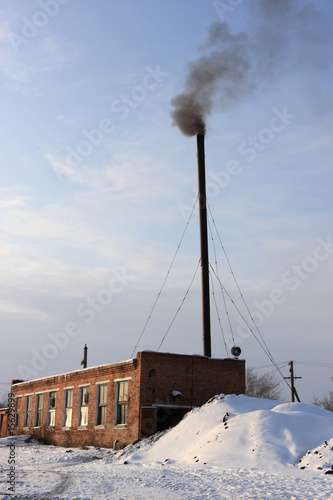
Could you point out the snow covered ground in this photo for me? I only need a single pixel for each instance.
(234, 447)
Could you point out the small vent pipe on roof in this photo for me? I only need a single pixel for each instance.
(85, 356)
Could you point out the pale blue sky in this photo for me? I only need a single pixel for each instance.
(95, 178)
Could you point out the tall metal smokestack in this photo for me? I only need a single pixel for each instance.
(207, 350)
(85, 356)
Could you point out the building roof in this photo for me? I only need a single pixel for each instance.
(121, 363)
(81, 370)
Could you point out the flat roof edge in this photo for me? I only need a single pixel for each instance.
(82, 370)
(231, 358)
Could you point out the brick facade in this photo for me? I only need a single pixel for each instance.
(3, 422)
(162, 387)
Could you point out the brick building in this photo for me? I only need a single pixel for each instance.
(114, 405)
(3, 422)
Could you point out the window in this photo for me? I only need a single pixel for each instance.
(39, 409)
(28, 406)
(51, 412)
(121, 402)
(101, 404)
(17, 413)
(83, 411)
(68, 403)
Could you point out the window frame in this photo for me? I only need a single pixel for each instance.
(39, 410)
(17, 414)
(68, 408)
(51, 409)
(84, 404)
(28, 411)
(101, 406)
(121, 409)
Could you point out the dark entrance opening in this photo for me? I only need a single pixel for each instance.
(169, 417)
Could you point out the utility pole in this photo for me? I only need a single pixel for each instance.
(292, 378)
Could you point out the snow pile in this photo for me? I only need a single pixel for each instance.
(321, 458)
(238, 431)
(232, 447)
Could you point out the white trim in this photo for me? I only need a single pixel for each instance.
(103, 382)
(29, 394)
(89, 369)
(84, 385)
(39, 392)
(52, 390)
(117, 404)
(69, 387)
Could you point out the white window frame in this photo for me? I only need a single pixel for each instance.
(101, 406)
(39, 410)
(28, 410)
(121, 403)
(84, 405)
(51, 409)
(68, 408)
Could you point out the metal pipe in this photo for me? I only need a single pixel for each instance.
(204, 246)
(85, 356)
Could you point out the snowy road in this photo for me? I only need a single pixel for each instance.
(87, 477)
(266, 450)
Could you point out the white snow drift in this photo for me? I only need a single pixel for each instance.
(237, 431)
(232, 447)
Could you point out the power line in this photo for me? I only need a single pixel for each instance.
(263, 345)
(165, 279)
(238, 288)
(222, 291)
(179, 308)
(281, 364)
(218, 315)
(312, 363)
(306, 363)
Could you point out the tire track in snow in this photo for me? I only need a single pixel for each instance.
(59, 489)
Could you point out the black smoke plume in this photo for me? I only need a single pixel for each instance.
(234, 65)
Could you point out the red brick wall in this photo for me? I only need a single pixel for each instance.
(198, 378)
(153, 377)
(90, 436)
(3, 423)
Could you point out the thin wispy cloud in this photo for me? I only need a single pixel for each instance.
(41, 55)
(95, 177)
